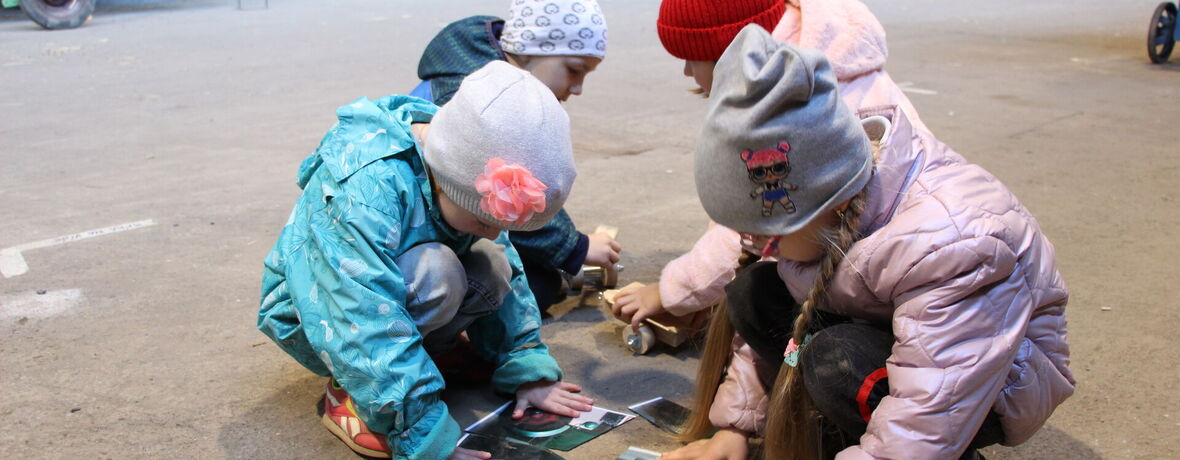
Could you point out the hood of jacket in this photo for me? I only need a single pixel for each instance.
(366, 131)
(845, 30)
(460, 48)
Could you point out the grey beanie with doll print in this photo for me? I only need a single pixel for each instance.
(778, 146)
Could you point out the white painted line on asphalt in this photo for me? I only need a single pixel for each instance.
(907, 86)
(39, 306)
(12, 263)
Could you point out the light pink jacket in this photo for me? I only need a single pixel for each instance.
(952, 261)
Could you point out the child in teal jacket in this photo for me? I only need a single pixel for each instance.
(381, 263)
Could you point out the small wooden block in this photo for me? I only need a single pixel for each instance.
(609, 230)
(675, 330)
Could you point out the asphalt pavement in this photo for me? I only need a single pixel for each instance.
(147, 164)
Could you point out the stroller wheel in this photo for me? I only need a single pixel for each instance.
(1161, 33)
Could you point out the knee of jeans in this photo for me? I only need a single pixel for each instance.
(433, 276)
(835, 364)
(841, 347)
(488, 270)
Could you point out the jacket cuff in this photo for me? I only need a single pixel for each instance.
(676, 298)
(426, 440)
(854, 453)
(524, 369)
(573, 263)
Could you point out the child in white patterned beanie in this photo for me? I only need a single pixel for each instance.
(558, 41)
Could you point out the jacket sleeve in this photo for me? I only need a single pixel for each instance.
(555, 246)
(355, 319)
(697, 279)
(512, 336)
(741, 399)
(961, 313)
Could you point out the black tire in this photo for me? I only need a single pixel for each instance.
(1161, 33)
(59, 14)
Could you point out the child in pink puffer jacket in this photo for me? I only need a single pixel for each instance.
(915, 310)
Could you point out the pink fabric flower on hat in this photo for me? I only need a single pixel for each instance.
(510, 192)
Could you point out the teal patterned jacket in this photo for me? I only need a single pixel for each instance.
(333, 298)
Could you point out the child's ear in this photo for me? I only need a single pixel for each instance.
(878, 128)
(746, 154)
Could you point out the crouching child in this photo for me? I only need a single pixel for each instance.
(396, 252)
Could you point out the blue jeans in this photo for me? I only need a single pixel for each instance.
(445, 293)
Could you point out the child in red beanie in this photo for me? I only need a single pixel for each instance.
(699, 30)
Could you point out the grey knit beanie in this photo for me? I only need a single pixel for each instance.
(555, 27)
(778, 146)
(501, 148)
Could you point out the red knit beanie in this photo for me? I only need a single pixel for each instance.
(700, 30)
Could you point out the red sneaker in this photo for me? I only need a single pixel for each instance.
(341, 419)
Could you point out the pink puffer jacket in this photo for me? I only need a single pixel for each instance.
(963, 274)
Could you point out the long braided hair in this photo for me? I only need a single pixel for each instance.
(714, 360)
(792, 429)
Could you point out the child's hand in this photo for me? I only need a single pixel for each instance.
(465, 454)
(727, 444)
(754, 244)
(555, 397)
(603, 250)
(637, 303)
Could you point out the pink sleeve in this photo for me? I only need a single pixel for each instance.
(741, 399)
(696, 280)
(961, 314)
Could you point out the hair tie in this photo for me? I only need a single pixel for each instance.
(791, 354)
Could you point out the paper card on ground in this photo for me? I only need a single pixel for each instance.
(545, 429)
(663, 413)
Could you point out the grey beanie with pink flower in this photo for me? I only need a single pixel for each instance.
(501, 148)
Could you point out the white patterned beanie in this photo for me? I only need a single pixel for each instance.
(501, 148)
(555, 28)
(778, 146)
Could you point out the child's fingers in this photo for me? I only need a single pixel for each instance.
(637, 319)
(521, 405)
(466, 454)
(625, 312)
(692, 451)
(559, 407)
(570, 386)
(575, 397)
(582, 401)
(621, 300)
(577, 406)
